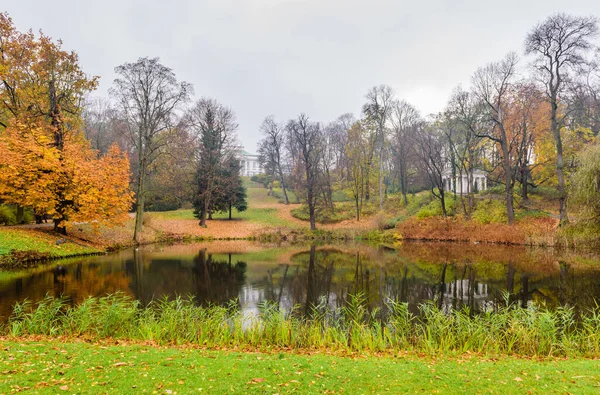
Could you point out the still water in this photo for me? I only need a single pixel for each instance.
(454, 275)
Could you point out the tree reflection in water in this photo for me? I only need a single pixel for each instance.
(299, 278)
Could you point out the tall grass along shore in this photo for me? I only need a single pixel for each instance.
(505, 330)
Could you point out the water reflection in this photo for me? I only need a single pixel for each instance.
(299, 277)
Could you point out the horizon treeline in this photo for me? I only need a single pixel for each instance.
(527, 120)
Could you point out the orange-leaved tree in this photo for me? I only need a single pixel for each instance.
(45, 161)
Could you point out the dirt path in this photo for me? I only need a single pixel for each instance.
(240, 228)
(284, 213)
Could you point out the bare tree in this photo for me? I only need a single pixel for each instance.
(559, 44)
(429, 145)
(148, 94)
(463, 116)
(305, 136)
(378, 109)
(334, 135)
(338, 138)
(405, 119)
(214, 127)
(103, 125)
(584, 97)
(491, 85)
(526, 105)
(271, 150)
(357, 164)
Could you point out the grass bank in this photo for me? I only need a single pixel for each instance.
(51, 366)
(20, 247)
(508, 330)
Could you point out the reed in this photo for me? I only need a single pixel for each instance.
(505, 330)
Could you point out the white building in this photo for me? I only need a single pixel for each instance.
(479, 181)
(249, 164)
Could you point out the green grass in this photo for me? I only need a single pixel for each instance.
(51, 367)
(28, 240)
(343, 211)
(263, 215)
(352, 328)
(278, 193)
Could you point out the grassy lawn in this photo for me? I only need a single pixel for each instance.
(259, 215)
(76, 367)
(264, 216)
(27, 240)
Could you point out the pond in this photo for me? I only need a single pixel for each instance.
(301, 276)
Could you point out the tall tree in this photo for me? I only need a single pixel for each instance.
(271, 150)
(149, 94)
(103, 125)
(430, 146)
(491, 85)
(378, 109)
(559, 45)
(45, 162)
(462, 119)
(357, 164)
(215, 126)
(405, 119)
(305, 136)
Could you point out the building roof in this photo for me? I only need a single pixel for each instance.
(476, 172)
(246, 153)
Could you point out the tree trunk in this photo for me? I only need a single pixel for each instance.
(20, 215)
(525, 183)
(562, 191)
(380, 180)
(230, 210)
(139, 209)
(443, 201)
(285, 196)
(510, 211)
(311, 211)
(59, 228)
(403, 185)
(330, 192)
(203, 213)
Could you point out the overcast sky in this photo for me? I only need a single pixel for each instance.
(283, 57)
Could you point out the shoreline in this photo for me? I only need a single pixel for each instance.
(161, 229)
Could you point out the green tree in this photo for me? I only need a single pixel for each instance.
(586, 185)
(215, 126)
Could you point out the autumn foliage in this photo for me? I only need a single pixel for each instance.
(538, 231)
(45, 161)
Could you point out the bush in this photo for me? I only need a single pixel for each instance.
(343, 211)
(416, 202)
(263, 179)
(586, 185)
(494, 190)
(490, 211)
(434, 208)
(8, 215)
(162, 203)
(544, 192)
(532, 214)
